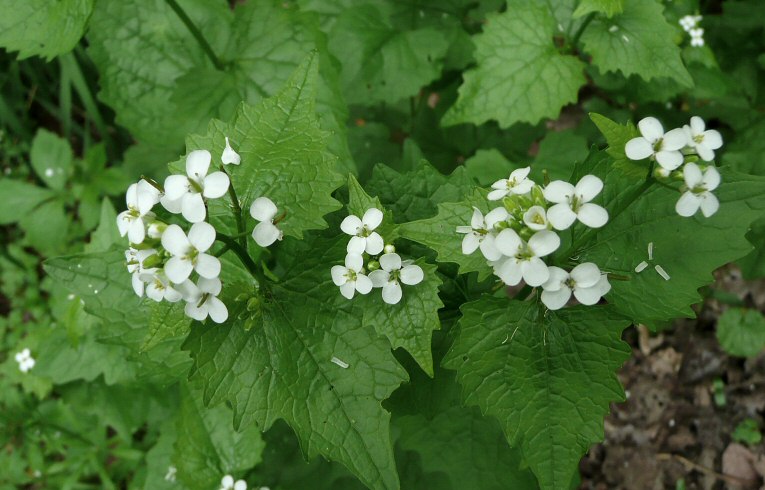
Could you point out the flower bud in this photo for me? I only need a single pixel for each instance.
(156, 228)
(389, 248)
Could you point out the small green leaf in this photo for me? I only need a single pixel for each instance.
(741, 332)
(107, 233)
(51, 158)
(19, 199)
(617, 136)
(607, 7)
(747, 432)
(47, 226)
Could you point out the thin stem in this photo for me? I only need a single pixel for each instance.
(244, 257)
(196, 33)
(241, 233)
(582, 27)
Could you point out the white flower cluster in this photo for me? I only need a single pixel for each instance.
(515, 237)
(228, 483)
(676, 152)
(163, 258)
(690, 24)
(387, 270)
(25, 360)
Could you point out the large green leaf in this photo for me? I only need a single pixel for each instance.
(608, 7)
(547, 377)
(44, 28)
(520, 74)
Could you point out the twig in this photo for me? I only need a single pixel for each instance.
(690, 465)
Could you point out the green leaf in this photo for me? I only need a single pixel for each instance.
(747, 432)
(45, 28)
(20, 199)
(521, 77)
(617, 136)
(283, 368)
(548, 378)
(207, 446)
(46, 227)
(559, 152)
(167, 320)
(488, 166)
(51, 158)
(107, 233)
(608, 7)
(637, 41)
(741, 332)
(381, 63)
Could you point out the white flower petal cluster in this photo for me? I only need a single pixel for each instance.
(266, 232)
(698, 143)
(364, 238)
(690, 24)
(585, 282)
(392, 273)
(25, 360)
(140, 198)
(187, 193)
(351, 277)
(519, 237)
(228, 483)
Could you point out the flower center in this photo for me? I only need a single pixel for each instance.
(195, 185)
(350, 275)
(538, 219)
(511, 183)
(576, 202)
(570, 283)
(698, 138)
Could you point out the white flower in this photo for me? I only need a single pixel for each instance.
(159, 287)
(699, 193)
(585, 281)
(688, 22)
(227, 483)
(140, 198)
(697, 37)
(229, 156)
(517, 183)
(655, 143)
(170, 475)
(189, 252)
(190, 189)
(481, 231)
(202, 300)
(135, 259)
(266, 232)
(536, 218)
(364, 238)
(391, 273)
(350, 278)
(524, 259)
(704, 142)
(25, 360)
(573, 203)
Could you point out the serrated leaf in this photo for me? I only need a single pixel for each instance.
(488, 166)
(166, 320)
(548, 378)
(607, 7)
(741, 332)
(638, 41)
(520, 77)
(51, 158)
(617, 135)
(282, 368)
(45, 28)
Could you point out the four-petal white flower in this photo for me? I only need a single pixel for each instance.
(202, 300)
(364, 238)
(481, 233)
(140, 198)
(573, 202)
(159, 287)
(190, 190)
(585, 281)
(189, 252)
(266, 232)
(703, 140)
(392, 272)
(227, 483)
(135, 259)
(665, 148)
(351, 278)
(524, 259)
(536, 218)
(25, 360)
(699, 193)
(517, 183)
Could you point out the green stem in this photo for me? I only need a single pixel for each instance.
(196, 33)
(237, 211)
(582, 27)
(244, 257)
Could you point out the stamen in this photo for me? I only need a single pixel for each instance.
(340, 363)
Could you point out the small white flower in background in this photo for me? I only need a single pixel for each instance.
(202, 300)
(703, 140)
(350, 278)
(229, 156)
(480, 233)
(364, 239)
(699, 193)
(227, 483)
(585, 281)
(524, 259)
(140, 198)
(697, 37)
(158, 287)
(188, 253)
(664, 147)
(573, 202)
(392, 272)
(134, 259)
(517, 183)
(25, 360)
(266, 232)
(536, 218)
(187, 192)
(688, 22)
(170, 475)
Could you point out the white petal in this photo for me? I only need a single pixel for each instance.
(136, 232)
(123, 222)
(193, 207)
(375, 243)
(587, 296)
(638, 148)
(176, 186)
(585, 275)
(207, 266)
(709, 204)
(174, 240)
(692, 175)
(215, 185)
(265, 233)
(229, 156)
(198, 313)
(138, 285)
(211, 286)
(391, 293)
(240, 484)
(500, 184)
(535, 218)
(495, 216)
(460, 229)
(523, 187)
(411, 275)
(559, 191)
(711, 179)
(197, 163)
(348, 289)
(688, 204)
(172, 295)
(216, 309)
(390, 262)
(172, 205)
(357, 245)
(651, 129)
(497, 194)
(674, 140)
(379, 278)
(535, 271)
(189, 291)
(544, 243)
(178, 269)
(131, 196)
(669, 159)
(519, 174)
(555, 300)
(351, 225)
(154, 292)
(372, 218)
(713, 139)
(592, 215)
(354, 262)
(489, 249)
(556, 280)
(476, 221)
(705, 153)
(508, 242)
(363, 284)
(470, 243)
(561, 216)
(697, 124)
(202, 236)
(338, 275)
(509, 272)
(589, 187)
(263, 209)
